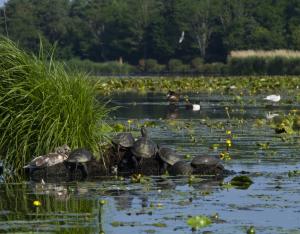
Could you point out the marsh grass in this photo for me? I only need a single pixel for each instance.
(265, 53)
(42, 106)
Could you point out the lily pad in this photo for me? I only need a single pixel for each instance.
(241, 182)
(199, 221)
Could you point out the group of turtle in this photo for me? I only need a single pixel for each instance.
(129, 156)
(132, 153)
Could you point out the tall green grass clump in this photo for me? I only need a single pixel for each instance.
(42, 106)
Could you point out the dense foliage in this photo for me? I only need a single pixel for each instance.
(105, 30)
(42, 107)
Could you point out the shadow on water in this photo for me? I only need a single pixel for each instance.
(163, 204)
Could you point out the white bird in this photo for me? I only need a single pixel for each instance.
(191, 106)
(196, 107)
(273, 98)
(181, 37)
(270, 115)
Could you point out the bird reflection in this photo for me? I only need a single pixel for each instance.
(173, 111)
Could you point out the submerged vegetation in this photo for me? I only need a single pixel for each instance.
(42, 106)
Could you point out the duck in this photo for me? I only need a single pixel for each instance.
(191, 106)
(273, 98)
(59, 155)
(173, 97)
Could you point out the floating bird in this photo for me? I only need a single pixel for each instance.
(191, 106)
(173, 97)
(181, 37)
(270, 115)
(273, 98)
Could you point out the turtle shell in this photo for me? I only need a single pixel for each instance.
(205, 161)
(168, 155)
(207, 165)
(124, 139)
(80, 156)
(181, 168)
(144, 148)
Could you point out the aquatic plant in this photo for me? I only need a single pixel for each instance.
(241, 182)
(238, 85)
(199, 221)
(42, 106)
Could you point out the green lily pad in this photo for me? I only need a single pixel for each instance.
(162, 225)
(241, 182)
(199, 221)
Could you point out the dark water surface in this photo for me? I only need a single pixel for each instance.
(163, 204)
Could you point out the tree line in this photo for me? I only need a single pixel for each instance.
(135, 30)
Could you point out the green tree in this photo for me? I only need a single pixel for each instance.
(22, 23)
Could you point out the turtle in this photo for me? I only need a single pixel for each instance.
(143, 148)
(167, 157)
(78, 159)
(180, 168)
(59, 155)
(122, 141)
(207, 165)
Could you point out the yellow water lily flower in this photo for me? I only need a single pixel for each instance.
(37, 203)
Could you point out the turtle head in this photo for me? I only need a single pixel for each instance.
(144, 131)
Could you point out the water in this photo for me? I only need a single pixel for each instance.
(163, 204)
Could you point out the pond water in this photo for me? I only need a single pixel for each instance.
(163, 204)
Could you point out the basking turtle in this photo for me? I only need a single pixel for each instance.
(59, 155)
(123, 139)
(207, 165)
(78, 159)
(143, 148)
(166, 157)
(180, 168)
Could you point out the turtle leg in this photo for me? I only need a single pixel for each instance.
(118, 149)
(71, 170)
(164, 167)
(46, 173)
(76, 166)
(135, 162)
(84, 170)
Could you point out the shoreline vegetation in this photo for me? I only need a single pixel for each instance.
(232, 84)
(249, 62)
(42, 107)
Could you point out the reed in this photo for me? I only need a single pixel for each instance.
(265, 53)
(42, 106)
